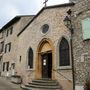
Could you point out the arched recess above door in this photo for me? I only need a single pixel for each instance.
(45, 45)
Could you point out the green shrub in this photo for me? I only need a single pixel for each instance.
(87, 84)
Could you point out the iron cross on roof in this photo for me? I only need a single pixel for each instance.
(45, 2)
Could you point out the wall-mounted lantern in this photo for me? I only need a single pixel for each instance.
(67, 21)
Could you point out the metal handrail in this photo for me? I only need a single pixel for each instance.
(62, 75)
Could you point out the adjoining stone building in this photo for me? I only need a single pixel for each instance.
(9, 43)
(42, 47)
(81, 41)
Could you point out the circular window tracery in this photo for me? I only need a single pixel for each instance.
(45, 28)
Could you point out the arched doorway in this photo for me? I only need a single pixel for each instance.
(44, 62)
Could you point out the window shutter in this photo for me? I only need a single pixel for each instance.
(5, 48)
(9, 47)
(2, 46)
(4, 66)
(7, 68)
(86, 28)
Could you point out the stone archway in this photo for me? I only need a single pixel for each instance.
(44, 61)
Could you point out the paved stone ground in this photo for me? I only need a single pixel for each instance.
(5, 84)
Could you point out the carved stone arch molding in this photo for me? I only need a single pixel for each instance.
(45, 46)
(57, 48)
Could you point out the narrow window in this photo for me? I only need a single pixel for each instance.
(30, 58)
(5, 48)
(2, 46)
(20, 59)
(1, 36)
(64, 59)
(7, 68)
(8, 47)
(7, 32)
(13, 65)
(11, 30)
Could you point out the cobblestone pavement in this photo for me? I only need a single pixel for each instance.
(5, 84)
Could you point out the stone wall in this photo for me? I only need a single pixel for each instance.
(81, 48)
(12, 55)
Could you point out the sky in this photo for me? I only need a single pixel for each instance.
(11, 8)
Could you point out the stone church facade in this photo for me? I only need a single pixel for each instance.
(40, 46)
(45, 43)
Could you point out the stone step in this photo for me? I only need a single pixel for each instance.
(30, 88)
(42, 84)
(39, 88)
(44, 81)
(25, 88)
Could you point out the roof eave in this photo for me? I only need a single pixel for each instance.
(14, 20)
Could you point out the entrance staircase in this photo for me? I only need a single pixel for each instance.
(42, 84)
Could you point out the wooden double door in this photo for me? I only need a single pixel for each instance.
(47, 65)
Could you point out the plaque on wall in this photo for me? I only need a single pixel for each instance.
(85, 57)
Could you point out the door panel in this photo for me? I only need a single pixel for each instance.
(46, 65)
(50, 65)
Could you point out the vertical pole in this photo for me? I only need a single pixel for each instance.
(73, 73)
(72, 63)
(69, 12)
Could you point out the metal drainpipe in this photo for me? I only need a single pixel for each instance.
(72, 64)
